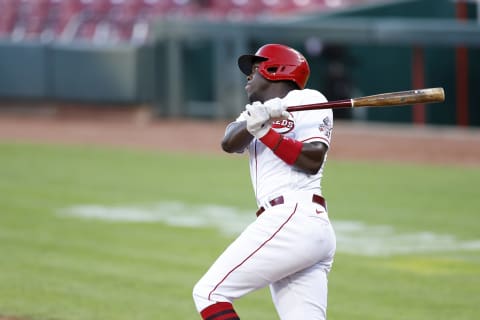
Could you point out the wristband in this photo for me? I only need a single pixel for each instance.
(285, 148)
(271, 139)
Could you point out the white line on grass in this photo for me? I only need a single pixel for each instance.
(352, 236)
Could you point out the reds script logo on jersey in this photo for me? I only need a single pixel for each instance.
(284, 126)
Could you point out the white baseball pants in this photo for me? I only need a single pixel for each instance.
(290, 247)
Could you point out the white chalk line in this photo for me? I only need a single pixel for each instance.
(353, 237)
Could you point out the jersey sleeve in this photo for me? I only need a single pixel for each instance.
(240, 118)
(313, 125)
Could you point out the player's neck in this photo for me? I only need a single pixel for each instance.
(277, 91)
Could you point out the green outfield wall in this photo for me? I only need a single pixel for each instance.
(24, 70)
(77, 73)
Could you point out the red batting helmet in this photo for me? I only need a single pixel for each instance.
(277, 62)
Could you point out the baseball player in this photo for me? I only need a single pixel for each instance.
(291, 244)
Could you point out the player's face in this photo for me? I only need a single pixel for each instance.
(256, 85)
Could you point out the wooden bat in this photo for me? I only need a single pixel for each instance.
(400, 98)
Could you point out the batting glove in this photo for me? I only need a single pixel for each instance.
(258, 119)
(242, 116)
(277, 109)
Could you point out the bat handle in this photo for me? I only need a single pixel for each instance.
(347, 103)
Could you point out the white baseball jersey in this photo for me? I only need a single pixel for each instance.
(272, 177)
(291, 245)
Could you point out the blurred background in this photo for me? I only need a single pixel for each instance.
(177, 58)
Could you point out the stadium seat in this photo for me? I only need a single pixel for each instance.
(128, 22)
(279, 6)
(30, 19)
(308, 5)
(177, 8)
(235, 9)
(65, 18)
(36, 18)
(8, 17)
(338, 3)
(218, 9)
(286, 7)
(92, 20)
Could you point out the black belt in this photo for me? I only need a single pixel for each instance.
(280, 200)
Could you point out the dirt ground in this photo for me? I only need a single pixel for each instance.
(351, 141)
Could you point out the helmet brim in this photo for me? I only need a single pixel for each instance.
(246, 61)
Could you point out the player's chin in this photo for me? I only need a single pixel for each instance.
(252, 97)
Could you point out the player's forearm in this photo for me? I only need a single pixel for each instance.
(311, 157)
(236, 138)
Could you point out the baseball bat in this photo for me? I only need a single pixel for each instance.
(390, 99)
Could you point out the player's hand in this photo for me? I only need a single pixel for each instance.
(277, 109)
(242, 116)
(258, 119)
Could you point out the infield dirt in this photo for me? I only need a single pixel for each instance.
(351, 141)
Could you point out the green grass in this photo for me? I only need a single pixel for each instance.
(64, 268)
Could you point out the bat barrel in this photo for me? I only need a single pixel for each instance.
(401, 98)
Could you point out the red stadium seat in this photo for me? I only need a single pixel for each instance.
(285, 7)
(219, 9)
(99, 8)
(129, 21)
(127, 10)
(36, 18)
(31, 18)
(67, 12)
(279, 6)
(92, 20)
(308, 5)
(176, 8)
(236, 9)
(8, 17)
